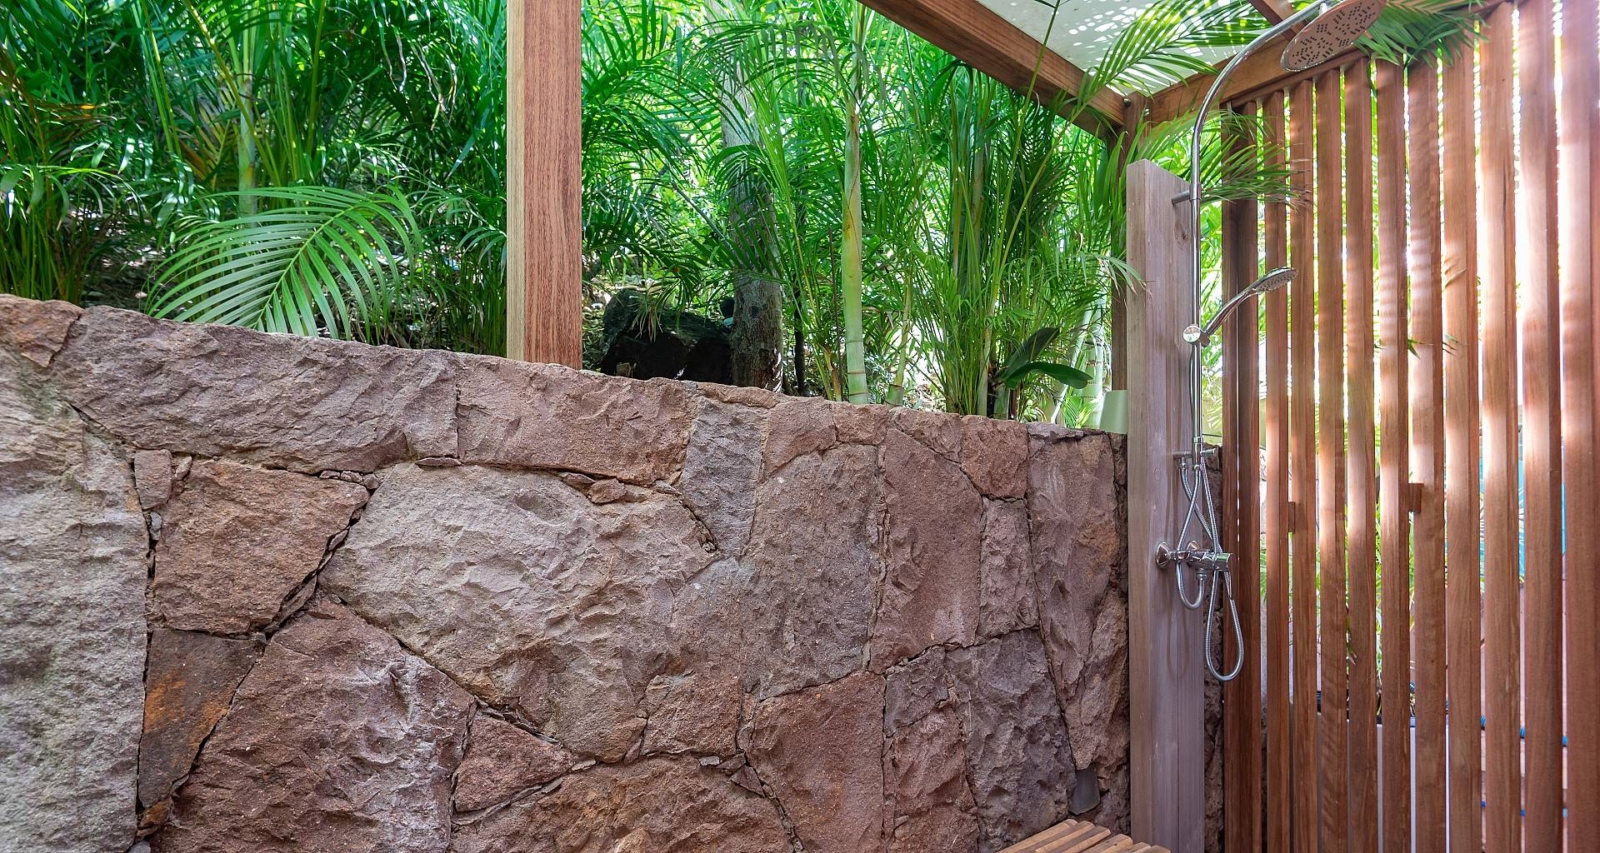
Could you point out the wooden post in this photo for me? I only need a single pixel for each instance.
(1165, 640)
(544, 217)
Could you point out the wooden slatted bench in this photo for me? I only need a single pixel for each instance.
(1076, 836)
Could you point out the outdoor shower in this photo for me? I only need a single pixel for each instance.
(1334, 25)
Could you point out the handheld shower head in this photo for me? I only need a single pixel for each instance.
(1266, 284)
(1330, 33)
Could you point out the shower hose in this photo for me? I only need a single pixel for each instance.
(1196, 480)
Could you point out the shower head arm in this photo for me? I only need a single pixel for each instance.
(1271, 35)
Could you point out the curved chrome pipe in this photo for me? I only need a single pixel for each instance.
(1324, 38)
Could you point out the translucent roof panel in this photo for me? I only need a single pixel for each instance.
(1083, 29)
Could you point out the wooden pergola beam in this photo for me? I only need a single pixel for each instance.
(544, 184)
(1255, 77)
(976, 35)
(1275, 11)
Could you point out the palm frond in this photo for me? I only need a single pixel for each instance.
(314, 260)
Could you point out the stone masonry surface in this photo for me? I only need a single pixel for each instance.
(262, 593)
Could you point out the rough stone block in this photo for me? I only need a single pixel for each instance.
(1019, 756)
(189, 684)
(337, 740)
(1078, 562)
(820, 751)
(523, 590)
(995, 455)
(306, 404)
(934, 518)
(72, 634)
(35, 330)
(658, 805)
(503, 760)
(238, 541)
(796, 428)
(720, 470)
(548, 416)
(692, 713)
(152, 477)
(926, 773)
(1009, 589)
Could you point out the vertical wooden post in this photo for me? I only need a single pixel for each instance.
(544, 217)
(1579, 219)
(1501, 511)
(1165, 665)
(1275, 515)
(1241, 432)
(1539, 302)
(1463, 585)
(1361, 469)
(1132, 120)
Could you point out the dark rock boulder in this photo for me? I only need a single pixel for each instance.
(668, 343)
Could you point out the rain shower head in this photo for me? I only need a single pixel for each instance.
(1265, 284)
(1330, 33)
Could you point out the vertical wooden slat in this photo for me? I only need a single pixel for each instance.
(1463, 619)
(1427, 453)
(1394, 535)
(1275, 506)
(1541, 426)
(1579, 215)
(1498, 257)
(1330, 459)
(544, 214)
(1362, 784)
(1302, 470)
(1241, 732)
(1165, 663)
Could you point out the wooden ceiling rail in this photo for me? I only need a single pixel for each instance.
(976, 35)
(1256, 76)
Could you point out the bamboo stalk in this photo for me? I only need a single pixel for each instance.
(1362, 784)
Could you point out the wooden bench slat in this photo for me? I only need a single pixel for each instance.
(1075, 836)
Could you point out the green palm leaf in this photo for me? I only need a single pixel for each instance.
(314, 260)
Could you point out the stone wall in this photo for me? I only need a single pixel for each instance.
(268, 593)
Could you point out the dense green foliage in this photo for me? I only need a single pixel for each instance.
(336, 167)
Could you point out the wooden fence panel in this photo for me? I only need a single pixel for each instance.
(1302, 472)
(1432, 430)
(1242, 697)
(1362, 785)
(1579, 215)
(1502, 743)
(1331, 456)
(1275, 503)
(1394, 535)
(1427, 455)
(1541, 427)
(1463, 619)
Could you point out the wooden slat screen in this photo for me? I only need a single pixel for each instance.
(1410, 437)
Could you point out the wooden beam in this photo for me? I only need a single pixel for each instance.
(1254, 78)
(1275, 11)
(1167, 727)
(975, 34)
(544, 216)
